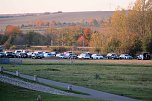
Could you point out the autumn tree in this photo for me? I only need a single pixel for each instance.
(140, 18)
(65, 36)
(100, 40)
(33, 38)
(82, 41)
(10, 29)
(11, 32)
(127, 31)
(96, 42)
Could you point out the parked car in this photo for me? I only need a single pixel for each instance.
(60, 55)
(36, 56)
(84, 56)
(10, 54)
(112, 56)
(90, 54)
(144, 56)
(140, 57)
(23, 55)
(67, 54)
(125, 56)
(72, 56)
(25, 51)
(29, 54)
(53, 53)
(47, 54)
(97, 56)
(40, 53)
(17, 53)
(2, 55)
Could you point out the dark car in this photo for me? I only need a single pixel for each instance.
(10, 54)
(144, 56)
(112, 56)
(23, 55)
(72, 56)
(2, 55)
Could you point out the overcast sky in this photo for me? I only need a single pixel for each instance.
(36, 6)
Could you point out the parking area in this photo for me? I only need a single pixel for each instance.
(24, 56)
(75, 61)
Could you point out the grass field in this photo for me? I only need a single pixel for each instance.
(130, 78)
(13, 93)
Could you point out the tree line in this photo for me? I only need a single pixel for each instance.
(66, 36)
(124, 32)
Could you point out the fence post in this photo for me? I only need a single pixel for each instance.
(17, 73)
(39, 98)
(35, 78)
(69, 87)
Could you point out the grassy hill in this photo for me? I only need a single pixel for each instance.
(18, 19)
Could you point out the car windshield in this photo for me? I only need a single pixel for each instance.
(61, 54)
(113, 55)
(9, 52)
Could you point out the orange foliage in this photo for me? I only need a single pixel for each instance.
(87, 32)
(10, 29)
(82, 41)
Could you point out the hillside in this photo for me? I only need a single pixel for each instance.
(19, 19)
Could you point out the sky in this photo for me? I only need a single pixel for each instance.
(39, 6)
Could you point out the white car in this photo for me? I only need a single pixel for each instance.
(29, 54)
(18, 51)
(60, 55)
(125, 56)
(36, 56)
(84, 56)
(53, 53)
(47, 54)
(40, 53)
(97, 56)
(67, 54)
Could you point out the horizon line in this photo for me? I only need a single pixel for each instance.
(56, 12)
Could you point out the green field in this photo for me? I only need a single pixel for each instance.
(132, 80)
(12, 93)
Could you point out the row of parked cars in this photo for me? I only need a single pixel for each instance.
(69, 55)
(26, 54)
(108, 56)
(88, 55)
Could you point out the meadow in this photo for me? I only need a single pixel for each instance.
(12, 93)
(130, 78)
